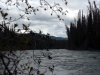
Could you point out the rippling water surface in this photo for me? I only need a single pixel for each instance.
(68, 62)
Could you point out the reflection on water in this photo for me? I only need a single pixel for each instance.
(68, 62)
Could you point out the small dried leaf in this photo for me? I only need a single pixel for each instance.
(37, 9)
(15, 25)
(31, 69)
(49, 57)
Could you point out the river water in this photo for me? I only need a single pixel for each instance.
(69, 62)
(66, 62)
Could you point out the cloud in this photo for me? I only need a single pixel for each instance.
(44, 21)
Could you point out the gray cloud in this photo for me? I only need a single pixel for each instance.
(47, 23)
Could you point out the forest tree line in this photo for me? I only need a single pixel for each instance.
(84, 33)
(11, 40)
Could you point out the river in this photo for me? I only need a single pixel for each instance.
(66, 62)
(69, 62)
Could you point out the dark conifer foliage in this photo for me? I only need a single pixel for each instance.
(11, 40)
(85, 32)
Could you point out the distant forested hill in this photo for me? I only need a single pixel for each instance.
(54, 37)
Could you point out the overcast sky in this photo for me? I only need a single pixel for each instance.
(50, 24)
